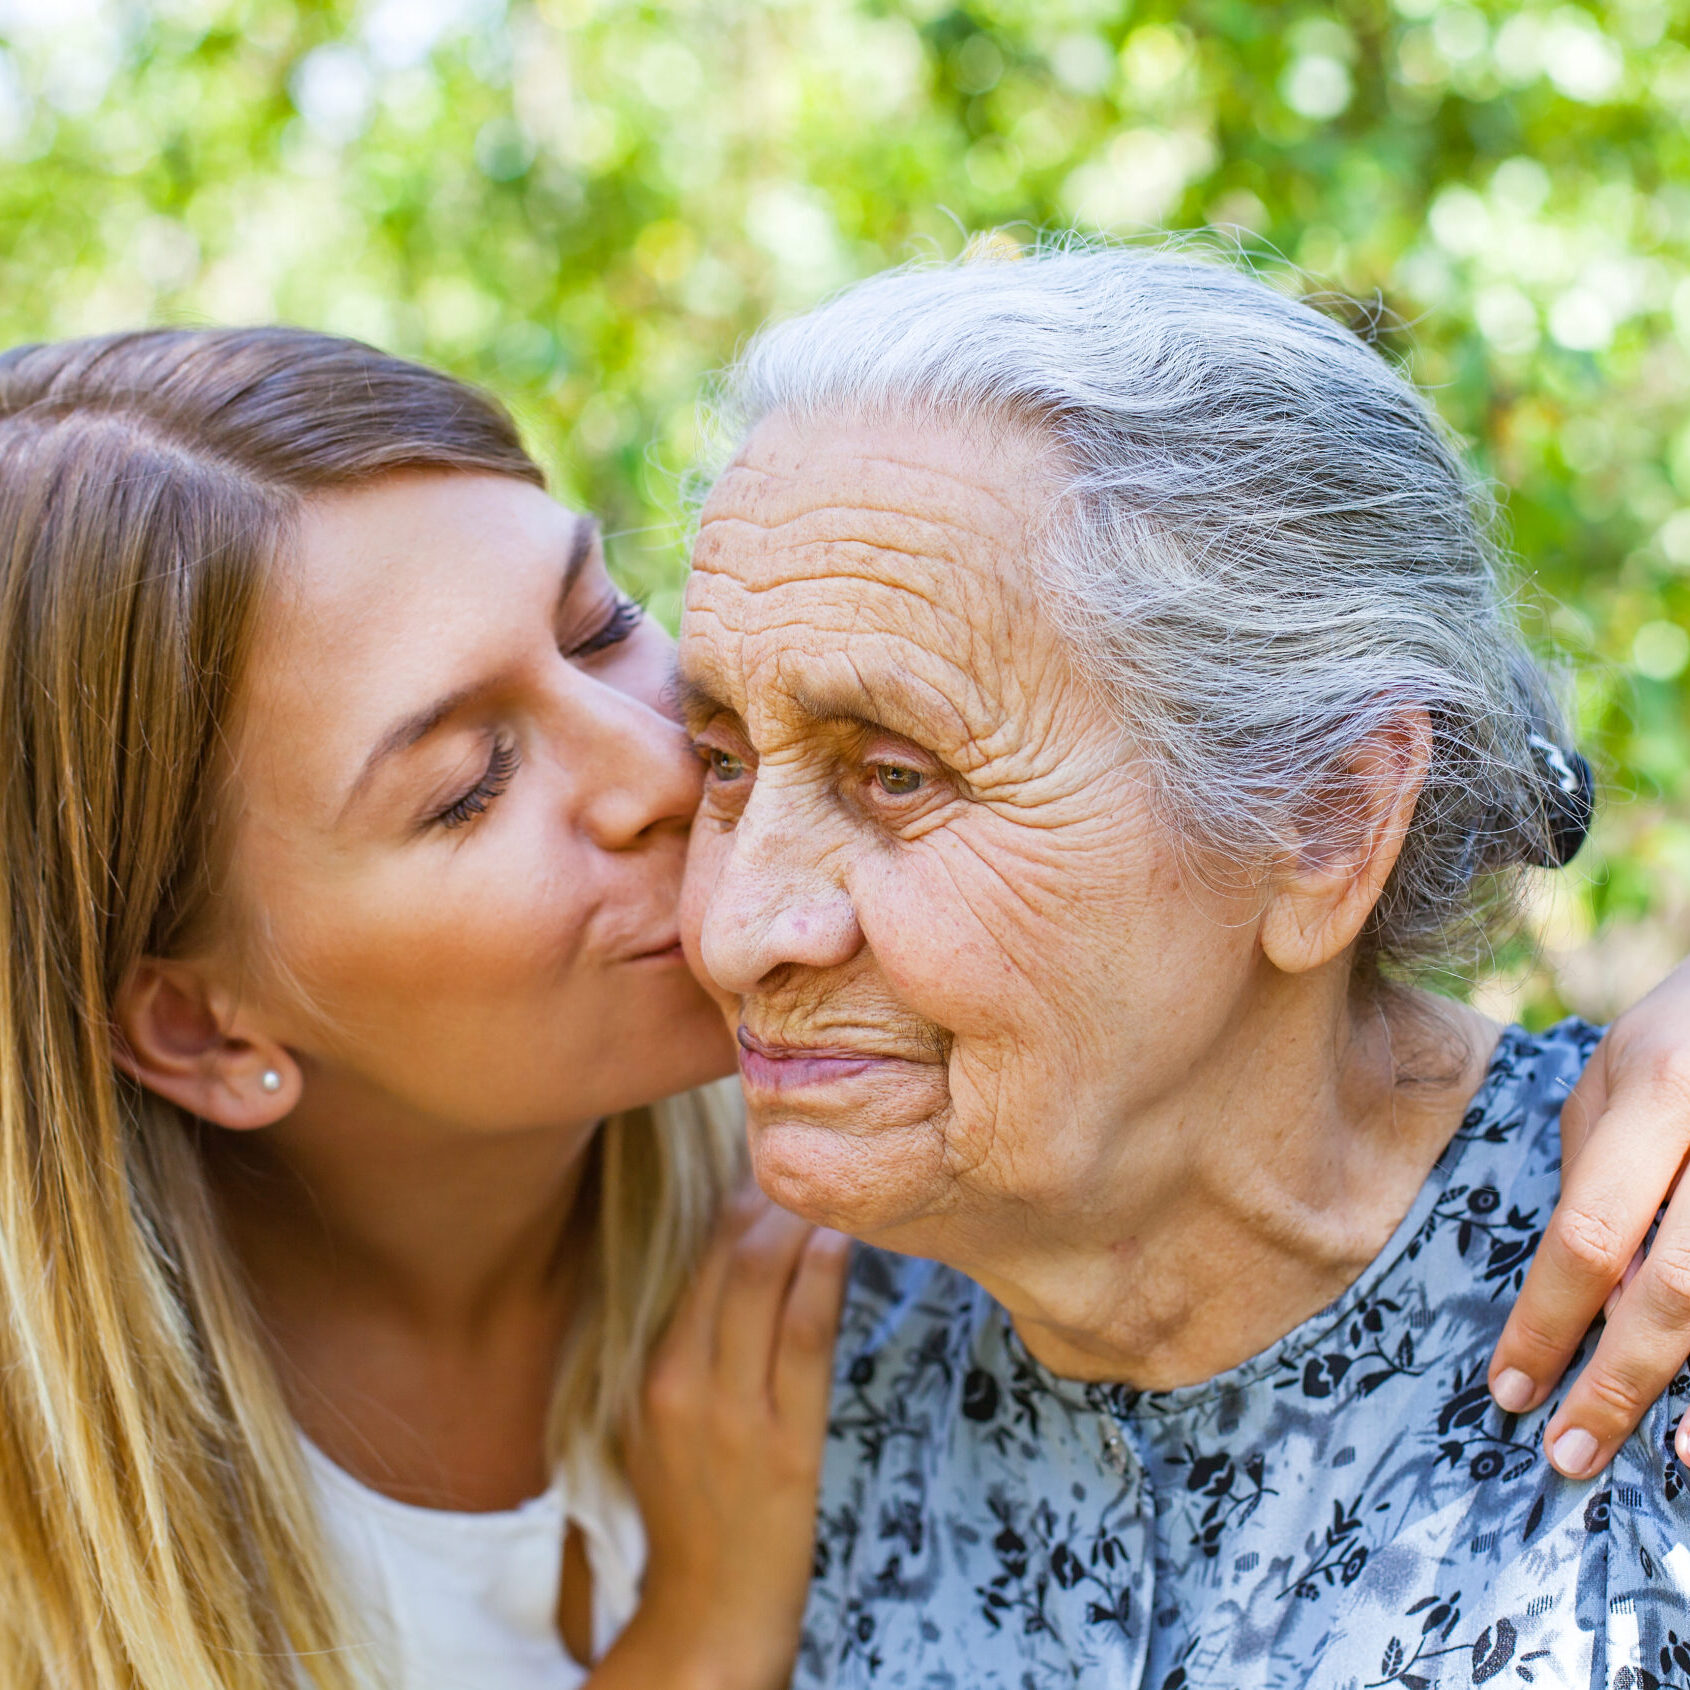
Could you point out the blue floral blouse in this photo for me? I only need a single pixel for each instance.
(1347, 1510)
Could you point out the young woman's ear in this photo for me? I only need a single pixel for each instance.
(1320, 907)
(180, 1036)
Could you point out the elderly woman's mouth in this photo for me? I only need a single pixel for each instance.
(769, 1065)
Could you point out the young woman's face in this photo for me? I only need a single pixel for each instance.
(464, 813)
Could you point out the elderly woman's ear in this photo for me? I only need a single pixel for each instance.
(1322, 898)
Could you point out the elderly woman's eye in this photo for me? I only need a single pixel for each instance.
(899, 780)
(723, 764)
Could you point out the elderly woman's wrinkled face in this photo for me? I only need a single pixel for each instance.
(926, 880)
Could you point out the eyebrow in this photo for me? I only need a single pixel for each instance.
(852, 705)
(857, 706)
(893, 700)
(411, 730)
(694, 699)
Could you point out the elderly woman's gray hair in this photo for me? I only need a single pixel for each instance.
(1268, 549)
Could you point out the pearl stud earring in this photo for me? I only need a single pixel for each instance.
(270, 1080)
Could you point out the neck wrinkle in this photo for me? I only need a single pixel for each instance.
(1242, 1209)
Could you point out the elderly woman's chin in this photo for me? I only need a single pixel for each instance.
(864, 1153)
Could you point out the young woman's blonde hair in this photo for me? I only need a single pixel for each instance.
(156, 1529)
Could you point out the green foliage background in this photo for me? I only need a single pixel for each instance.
(586, 204)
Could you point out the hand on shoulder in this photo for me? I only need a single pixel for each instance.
(726, 1460)
(1625, 1137)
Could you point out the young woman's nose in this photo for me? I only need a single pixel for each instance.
(774, 900)
(635, 769)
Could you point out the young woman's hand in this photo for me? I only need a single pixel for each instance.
(726, 1460)
(1625, 1135)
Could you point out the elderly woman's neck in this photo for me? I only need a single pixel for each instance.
(1255, 1197)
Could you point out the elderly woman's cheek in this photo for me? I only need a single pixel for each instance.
(989, 923)
(1043, 953)
(958, 945)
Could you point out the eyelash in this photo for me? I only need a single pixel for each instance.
(501, 767)
(617, 627)
(502, 764)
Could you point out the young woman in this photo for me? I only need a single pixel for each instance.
(342, 838)
(341, 829)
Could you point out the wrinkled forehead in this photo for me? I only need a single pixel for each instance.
(893, 555)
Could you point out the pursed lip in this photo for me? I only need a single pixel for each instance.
(668, 950)
(768, 1066)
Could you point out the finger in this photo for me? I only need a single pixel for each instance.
(809, 1325)
(689, 1342)
(764, 1262)
(1586, 1104)
(1612, 1300)
(1635, 1265)
(1609, 1198)
(1640, 1352)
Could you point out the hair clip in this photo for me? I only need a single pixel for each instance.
(1569, 801)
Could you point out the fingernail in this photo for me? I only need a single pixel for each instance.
(1574, 1452)
(1513, 1391)
(1681, 1443)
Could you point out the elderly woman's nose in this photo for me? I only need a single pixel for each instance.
(774, 903)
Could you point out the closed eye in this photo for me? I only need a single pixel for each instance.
(623, 619)
(501, 769)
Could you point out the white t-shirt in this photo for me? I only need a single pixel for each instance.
(469, 1601)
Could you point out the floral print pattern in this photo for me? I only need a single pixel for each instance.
(1347, 1511)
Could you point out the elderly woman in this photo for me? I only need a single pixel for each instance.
(1111, 708)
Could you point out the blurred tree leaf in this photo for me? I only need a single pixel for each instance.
(587, 204)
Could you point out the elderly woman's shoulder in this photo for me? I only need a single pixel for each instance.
(1528, 1079)
(904, 1303)
(1509, 1140)
(1455, 1557)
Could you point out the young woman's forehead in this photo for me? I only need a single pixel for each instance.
(399, 597)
